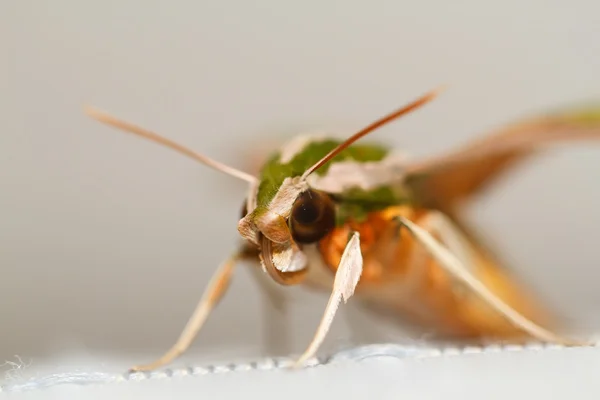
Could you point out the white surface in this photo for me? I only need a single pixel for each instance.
(390, 372)
(107, 241)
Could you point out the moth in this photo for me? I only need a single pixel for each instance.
(355, 218)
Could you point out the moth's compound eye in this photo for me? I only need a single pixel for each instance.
(313, 216)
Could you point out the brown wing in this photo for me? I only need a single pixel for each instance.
(443, 182)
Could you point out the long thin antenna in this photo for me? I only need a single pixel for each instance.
(112, 121)
(382, 121)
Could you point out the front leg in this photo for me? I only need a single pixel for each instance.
(212, 294)
(346, 278)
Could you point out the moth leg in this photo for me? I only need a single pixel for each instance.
(458, 270)
(345, 281)
(212, 294)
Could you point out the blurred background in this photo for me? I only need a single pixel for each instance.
(107, 241)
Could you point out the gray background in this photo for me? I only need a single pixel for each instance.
(107, 241)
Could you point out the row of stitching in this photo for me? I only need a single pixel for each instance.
(357, 354)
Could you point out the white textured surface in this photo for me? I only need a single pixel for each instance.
(377, 371)
(107, 241)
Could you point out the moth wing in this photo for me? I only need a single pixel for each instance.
(445, 181)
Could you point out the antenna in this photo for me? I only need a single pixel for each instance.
(119, 124)
(380, 122)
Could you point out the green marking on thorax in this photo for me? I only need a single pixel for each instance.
(356, 203)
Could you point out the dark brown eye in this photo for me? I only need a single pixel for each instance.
(313, 217)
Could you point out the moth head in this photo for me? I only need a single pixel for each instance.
(297, 216)
(305, 220)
